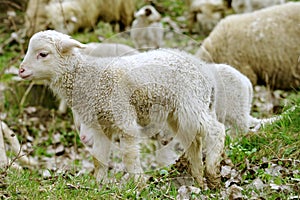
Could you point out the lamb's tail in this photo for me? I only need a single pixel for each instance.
(256, 124)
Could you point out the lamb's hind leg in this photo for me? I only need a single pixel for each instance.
(214, 146)
(190, 136)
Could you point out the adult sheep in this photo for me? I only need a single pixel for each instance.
(35, 16)
(147, 30)
(204, 15)
(245, 6)
(70, 16)
(263, 45)
(119, 96)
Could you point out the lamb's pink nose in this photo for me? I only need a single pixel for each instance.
(21, 70)
(82, 138)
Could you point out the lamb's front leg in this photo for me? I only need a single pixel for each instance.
(214, 146)
(101, 152)
(131, 156)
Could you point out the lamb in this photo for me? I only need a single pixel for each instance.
(121, 95)
(263, 45)
(204, 15)
(101, 50)
(70, 16)
(246, 6)
(233, 99)
(147, 30)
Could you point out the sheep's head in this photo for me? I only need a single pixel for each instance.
(46, 52)
(148, 12)
(206, 14)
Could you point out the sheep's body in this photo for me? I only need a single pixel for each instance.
(147, 30)
(233, 99)
(263, 45)
(119, 11)
(108, 50)
(70, 16)
(246, 6)
(205, 14)
(101, 50)
(121, 95)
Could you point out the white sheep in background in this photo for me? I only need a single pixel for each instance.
(70, 16)
(95, 49)
(35, 16)
(204, 15)
(147, 30)
(120, 95)
(263, 45)
(246, 6)
(107, 49)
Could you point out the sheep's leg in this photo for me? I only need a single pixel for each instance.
(190, 137)
(3, 157)
(131, 155)
(101, 152)
(194, 156)
(214, 145)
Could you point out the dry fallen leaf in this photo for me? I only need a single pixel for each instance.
(185, 192)
(235, 192)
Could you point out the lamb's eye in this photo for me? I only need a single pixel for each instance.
(43, 54)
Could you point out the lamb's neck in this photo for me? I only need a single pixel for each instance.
(63, 84)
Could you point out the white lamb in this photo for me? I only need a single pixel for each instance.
(119, 96)
(263, 45)
(147, 30)
(204, 15)
(246, 6)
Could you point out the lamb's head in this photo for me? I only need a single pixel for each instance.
(148, 12)
(47, 54)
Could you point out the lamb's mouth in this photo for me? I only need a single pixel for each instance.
(24, 76)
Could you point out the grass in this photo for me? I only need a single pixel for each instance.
(28, 184)
(277, 143)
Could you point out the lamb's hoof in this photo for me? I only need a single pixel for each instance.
(256, 128)
(213, 182)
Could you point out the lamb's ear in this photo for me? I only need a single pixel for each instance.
(67, 45)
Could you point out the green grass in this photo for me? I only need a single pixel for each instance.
(28, 184)
(277, 143)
